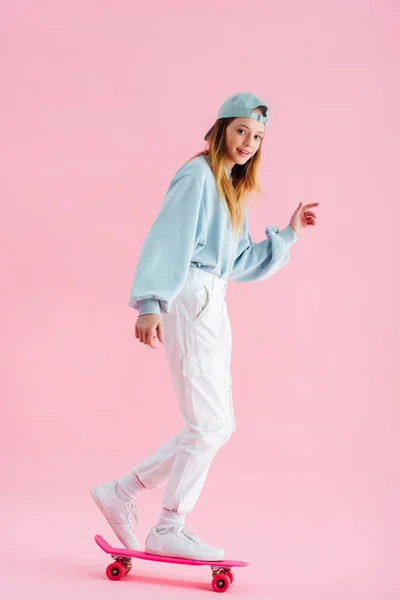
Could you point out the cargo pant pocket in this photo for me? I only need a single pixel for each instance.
(201, 300)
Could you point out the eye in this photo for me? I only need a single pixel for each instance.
(259, 136)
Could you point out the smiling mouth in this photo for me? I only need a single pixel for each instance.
(243, 153)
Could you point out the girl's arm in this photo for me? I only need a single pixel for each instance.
(259, 261)
(165, 257)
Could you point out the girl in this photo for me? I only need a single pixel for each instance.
(198, 241)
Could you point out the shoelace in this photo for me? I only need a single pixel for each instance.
(132, 511)
(190, 534)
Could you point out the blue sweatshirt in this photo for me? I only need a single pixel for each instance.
(193, 228)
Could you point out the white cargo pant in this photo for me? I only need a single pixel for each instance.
(197, 340)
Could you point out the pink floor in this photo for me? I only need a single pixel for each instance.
(330, 549)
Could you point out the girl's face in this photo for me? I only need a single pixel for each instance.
(243, 133)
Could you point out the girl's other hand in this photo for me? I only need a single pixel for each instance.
(148, 329)
(303, 217)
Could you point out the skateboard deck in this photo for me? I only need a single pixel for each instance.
(222, 574)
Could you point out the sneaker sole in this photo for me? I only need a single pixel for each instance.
(103, 509)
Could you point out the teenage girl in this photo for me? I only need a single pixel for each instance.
(198, 241)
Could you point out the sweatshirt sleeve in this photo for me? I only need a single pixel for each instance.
(258, 261)
(167, 251)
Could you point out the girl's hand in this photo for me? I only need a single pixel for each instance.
(303, 217)
(148, 328)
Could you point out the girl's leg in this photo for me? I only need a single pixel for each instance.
(200, 365)
(153, 471)
(197, 340)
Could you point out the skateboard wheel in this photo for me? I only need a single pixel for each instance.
(220, 583)
(231, 577)
(116, 570)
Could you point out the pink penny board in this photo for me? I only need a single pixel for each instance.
(222, 573)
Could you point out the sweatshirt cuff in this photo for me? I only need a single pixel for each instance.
(149, 306)
(289, 235)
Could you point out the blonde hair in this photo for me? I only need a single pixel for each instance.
(244, 179)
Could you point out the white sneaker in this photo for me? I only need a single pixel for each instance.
(178, 542)
(118, 513)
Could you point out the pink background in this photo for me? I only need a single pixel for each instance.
(101, 103)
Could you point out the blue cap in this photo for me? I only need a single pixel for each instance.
(241, 105)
